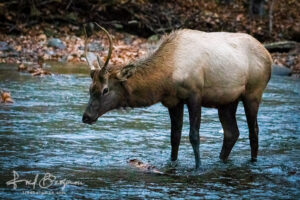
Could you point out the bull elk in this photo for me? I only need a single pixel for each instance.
(195, 68)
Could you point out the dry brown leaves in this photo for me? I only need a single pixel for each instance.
(5, 97)
(33, 48)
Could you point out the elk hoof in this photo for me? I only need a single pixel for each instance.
(173, 164)
(223, 158)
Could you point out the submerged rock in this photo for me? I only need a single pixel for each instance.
(145, 167)
(281, 71)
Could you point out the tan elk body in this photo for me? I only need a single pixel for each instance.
(195, 68)
(219, 67)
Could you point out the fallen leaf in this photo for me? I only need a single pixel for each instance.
(6, 98)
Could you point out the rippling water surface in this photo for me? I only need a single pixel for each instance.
(42, 133)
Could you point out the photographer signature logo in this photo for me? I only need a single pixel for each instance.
(42, 181)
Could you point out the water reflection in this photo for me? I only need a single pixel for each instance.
(42, 132)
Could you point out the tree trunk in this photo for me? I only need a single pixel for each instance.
(271, 17)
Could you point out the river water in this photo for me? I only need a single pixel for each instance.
(41, 135)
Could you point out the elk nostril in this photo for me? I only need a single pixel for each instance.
(85, 118)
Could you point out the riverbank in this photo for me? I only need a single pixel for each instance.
(36, 48)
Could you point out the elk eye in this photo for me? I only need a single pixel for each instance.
(105, 91)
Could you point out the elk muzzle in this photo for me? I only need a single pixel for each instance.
(89, 117)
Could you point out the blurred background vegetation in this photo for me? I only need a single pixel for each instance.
(267, 20)
(38, 31)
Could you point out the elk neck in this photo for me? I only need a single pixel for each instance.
(150, 83)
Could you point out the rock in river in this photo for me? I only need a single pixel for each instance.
(281, 70)
(145, 167)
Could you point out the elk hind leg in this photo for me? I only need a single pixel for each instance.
(251, 109)
(230, 128)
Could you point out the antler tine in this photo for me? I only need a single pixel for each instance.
(85, 49)
(110, 47)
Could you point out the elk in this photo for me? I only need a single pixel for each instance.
(199, 69)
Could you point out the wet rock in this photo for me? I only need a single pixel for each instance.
(145, 167)
(5, 97)
(57, 43)
(281, 70)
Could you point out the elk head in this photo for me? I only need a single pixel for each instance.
(106, 91)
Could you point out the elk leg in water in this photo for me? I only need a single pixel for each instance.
(194, 107)
(251, 110)
(176, 116)
(231, 131)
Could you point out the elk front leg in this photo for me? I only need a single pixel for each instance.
(176, 116)
(194, 107)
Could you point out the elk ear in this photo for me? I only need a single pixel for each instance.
(126, 72)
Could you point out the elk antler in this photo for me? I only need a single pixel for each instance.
(110, 47)
(98, 58)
